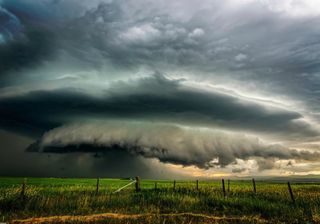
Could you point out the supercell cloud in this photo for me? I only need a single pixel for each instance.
(211, 86)
(203, 148)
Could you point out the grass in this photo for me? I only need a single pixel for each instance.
(45, 197)
(141, 218)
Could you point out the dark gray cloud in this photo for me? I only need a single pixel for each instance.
(211, 37)
(155, 98)
(10, 25)
(105, 164)
(24, 44)
(30, 50)
(238, 170)
(168, 143)
(275, 52)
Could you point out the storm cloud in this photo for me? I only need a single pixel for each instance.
(77, 164)
(151, 97)
(216, 85)
(168, 143)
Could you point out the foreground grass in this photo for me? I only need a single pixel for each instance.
(52, 197)
(182, 218)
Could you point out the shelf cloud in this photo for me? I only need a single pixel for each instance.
(165, 142)
(153, 97)
(230, 86)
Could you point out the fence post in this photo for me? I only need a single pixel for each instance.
(197, 183)
(223, 189)
(290, 192)
(23, 188)
(97, 186)
(155, 185)
(174, 184)
(138, 184)
(254, 185)
(228, 185)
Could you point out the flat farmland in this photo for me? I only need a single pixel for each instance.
(60, 200)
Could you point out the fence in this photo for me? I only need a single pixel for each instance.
(137, 184)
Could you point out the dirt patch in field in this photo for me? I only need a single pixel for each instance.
(114, 218)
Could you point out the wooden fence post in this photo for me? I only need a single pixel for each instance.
(23, 188)
(290, 192)
(97, 186)
(197, 183)
(155, 185)
(254, 185)
(174, 185)
(223, 189)
(138, 184)
(228, 185)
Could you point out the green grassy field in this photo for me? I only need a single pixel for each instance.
(52, 196)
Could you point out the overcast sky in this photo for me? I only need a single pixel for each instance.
(159, 89)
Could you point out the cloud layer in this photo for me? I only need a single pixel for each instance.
(203, 148)
(217, 72)
(152, 97)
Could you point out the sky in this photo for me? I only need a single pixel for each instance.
(159, 89)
